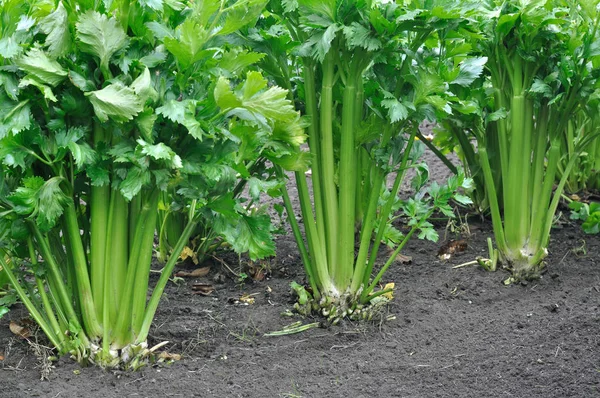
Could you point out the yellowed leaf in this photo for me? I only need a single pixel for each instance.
(186, 253)
(389, 295)
(247, 298)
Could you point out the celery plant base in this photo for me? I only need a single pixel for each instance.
(335, 308)
(131, 357)
(524, 267)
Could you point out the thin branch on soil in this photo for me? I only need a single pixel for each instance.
(343, 347)
(557, 350)
(133, 381)
(16, 368)
(223, 263)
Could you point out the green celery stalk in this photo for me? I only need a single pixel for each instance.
(330, 200)
(99, 206)
(343, 269)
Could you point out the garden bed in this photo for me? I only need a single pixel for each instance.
(456, 332)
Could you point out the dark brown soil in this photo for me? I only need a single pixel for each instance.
(457, 333)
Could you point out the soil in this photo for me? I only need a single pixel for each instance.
(456, 332)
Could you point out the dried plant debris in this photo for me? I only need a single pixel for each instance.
(20, 328)
(205, 289)
(451, 248)
(245, 299)
(197, 273)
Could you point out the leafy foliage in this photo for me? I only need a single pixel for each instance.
(532, 101)
(365, 74)
(588, 213)
(104, 108)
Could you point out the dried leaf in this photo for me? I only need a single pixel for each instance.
(402, 259)
(167, 356)
(452, 247)
(204, 289)
(258, 274)
(19, 330)
(1, 357)
(197, 273)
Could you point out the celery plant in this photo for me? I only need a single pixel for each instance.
(541, 62)
(364, 84)
(585, 173)
(103, 106)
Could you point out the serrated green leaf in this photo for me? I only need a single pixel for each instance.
(115, 101)
(100, 36)
(14, 116)
(440, 103)
(44, 200)
(320, 7)
(396, 110)
(134, 182)
(253, 84)
(205, 10)
(175, 4)
(51, 203)
(257, 186)
(497, 115)
(252, 234)
(98, 175)
(82, 153)
(187, 45)
(9, 47)
(469, 70)
(10, 84)
(73, 134)
(81, 82)
(541, 87)
(429, 234)
(290, 132)
(224, 95)
(321, 41)
(224, 205)
(391, 236)
(37, 63)
(145, 122)
(358, 35)
(46, 90)
(160, 31)
(184, 113)
(289, 5)
(234, 62)
(463, 199)
(240, 14)
(299, 161)
(25, 23)
(153, 59)
(272, 103)
(160, 152)
(24, 197)
(143, 87)
(153, 4)
(56, 26)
